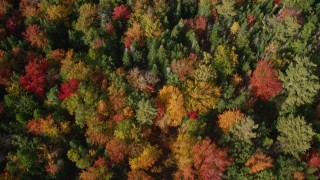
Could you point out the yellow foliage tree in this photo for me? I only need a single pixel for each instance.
(152, 25)
(200, 96)
(88, 14)
(182, 151)
(146, 159)
(139, 8)
(228, 118)
(70, 69)
(259, 162)
(172, 98)
(59, 12)
(235, 28)
(160, 7)
(225, 59)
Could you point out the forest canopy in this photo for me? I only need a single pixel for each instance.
(160, 89)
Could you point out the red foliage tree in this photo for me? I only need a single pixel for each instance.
(193, 115)
(265, 81)
(4, 4)
(215, 15)
(277, 2)
(116, 150)
(313, 158)
(121, 12)
(199, 24)
(110, 28)
(35, 79)
(68, 88)
(5, 75)
(35, 36)
(251, 19)
(315, 161)
(30, 55)
(100, 162)
(160, 111)
(13, 22)
(291, 12)
(127, 42)
(118, 117)
(210, 161)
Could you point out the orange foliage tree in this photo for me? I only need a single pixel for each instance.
(228, 118)
(138, 175)
(135, 32)
(172, 98)
(100, 170)
(29, 8)
(48, 127)
(116, 150)
(259, 162)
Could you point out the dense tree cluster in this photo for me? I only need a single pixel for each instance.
(159, 89)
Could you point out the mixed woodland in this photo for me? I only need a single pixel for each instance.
(160, 89)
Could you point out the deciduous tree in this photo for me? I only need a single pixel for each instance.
(259, 162)
(225, 59)
(68, 88)
(121, 12)
(228, 118)
(34, 81)
(146, 159)
(210, 161)
(117, 150)
(88, 14)
(172, 98)
(200, 96)
(35, 36)
(265, 81)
